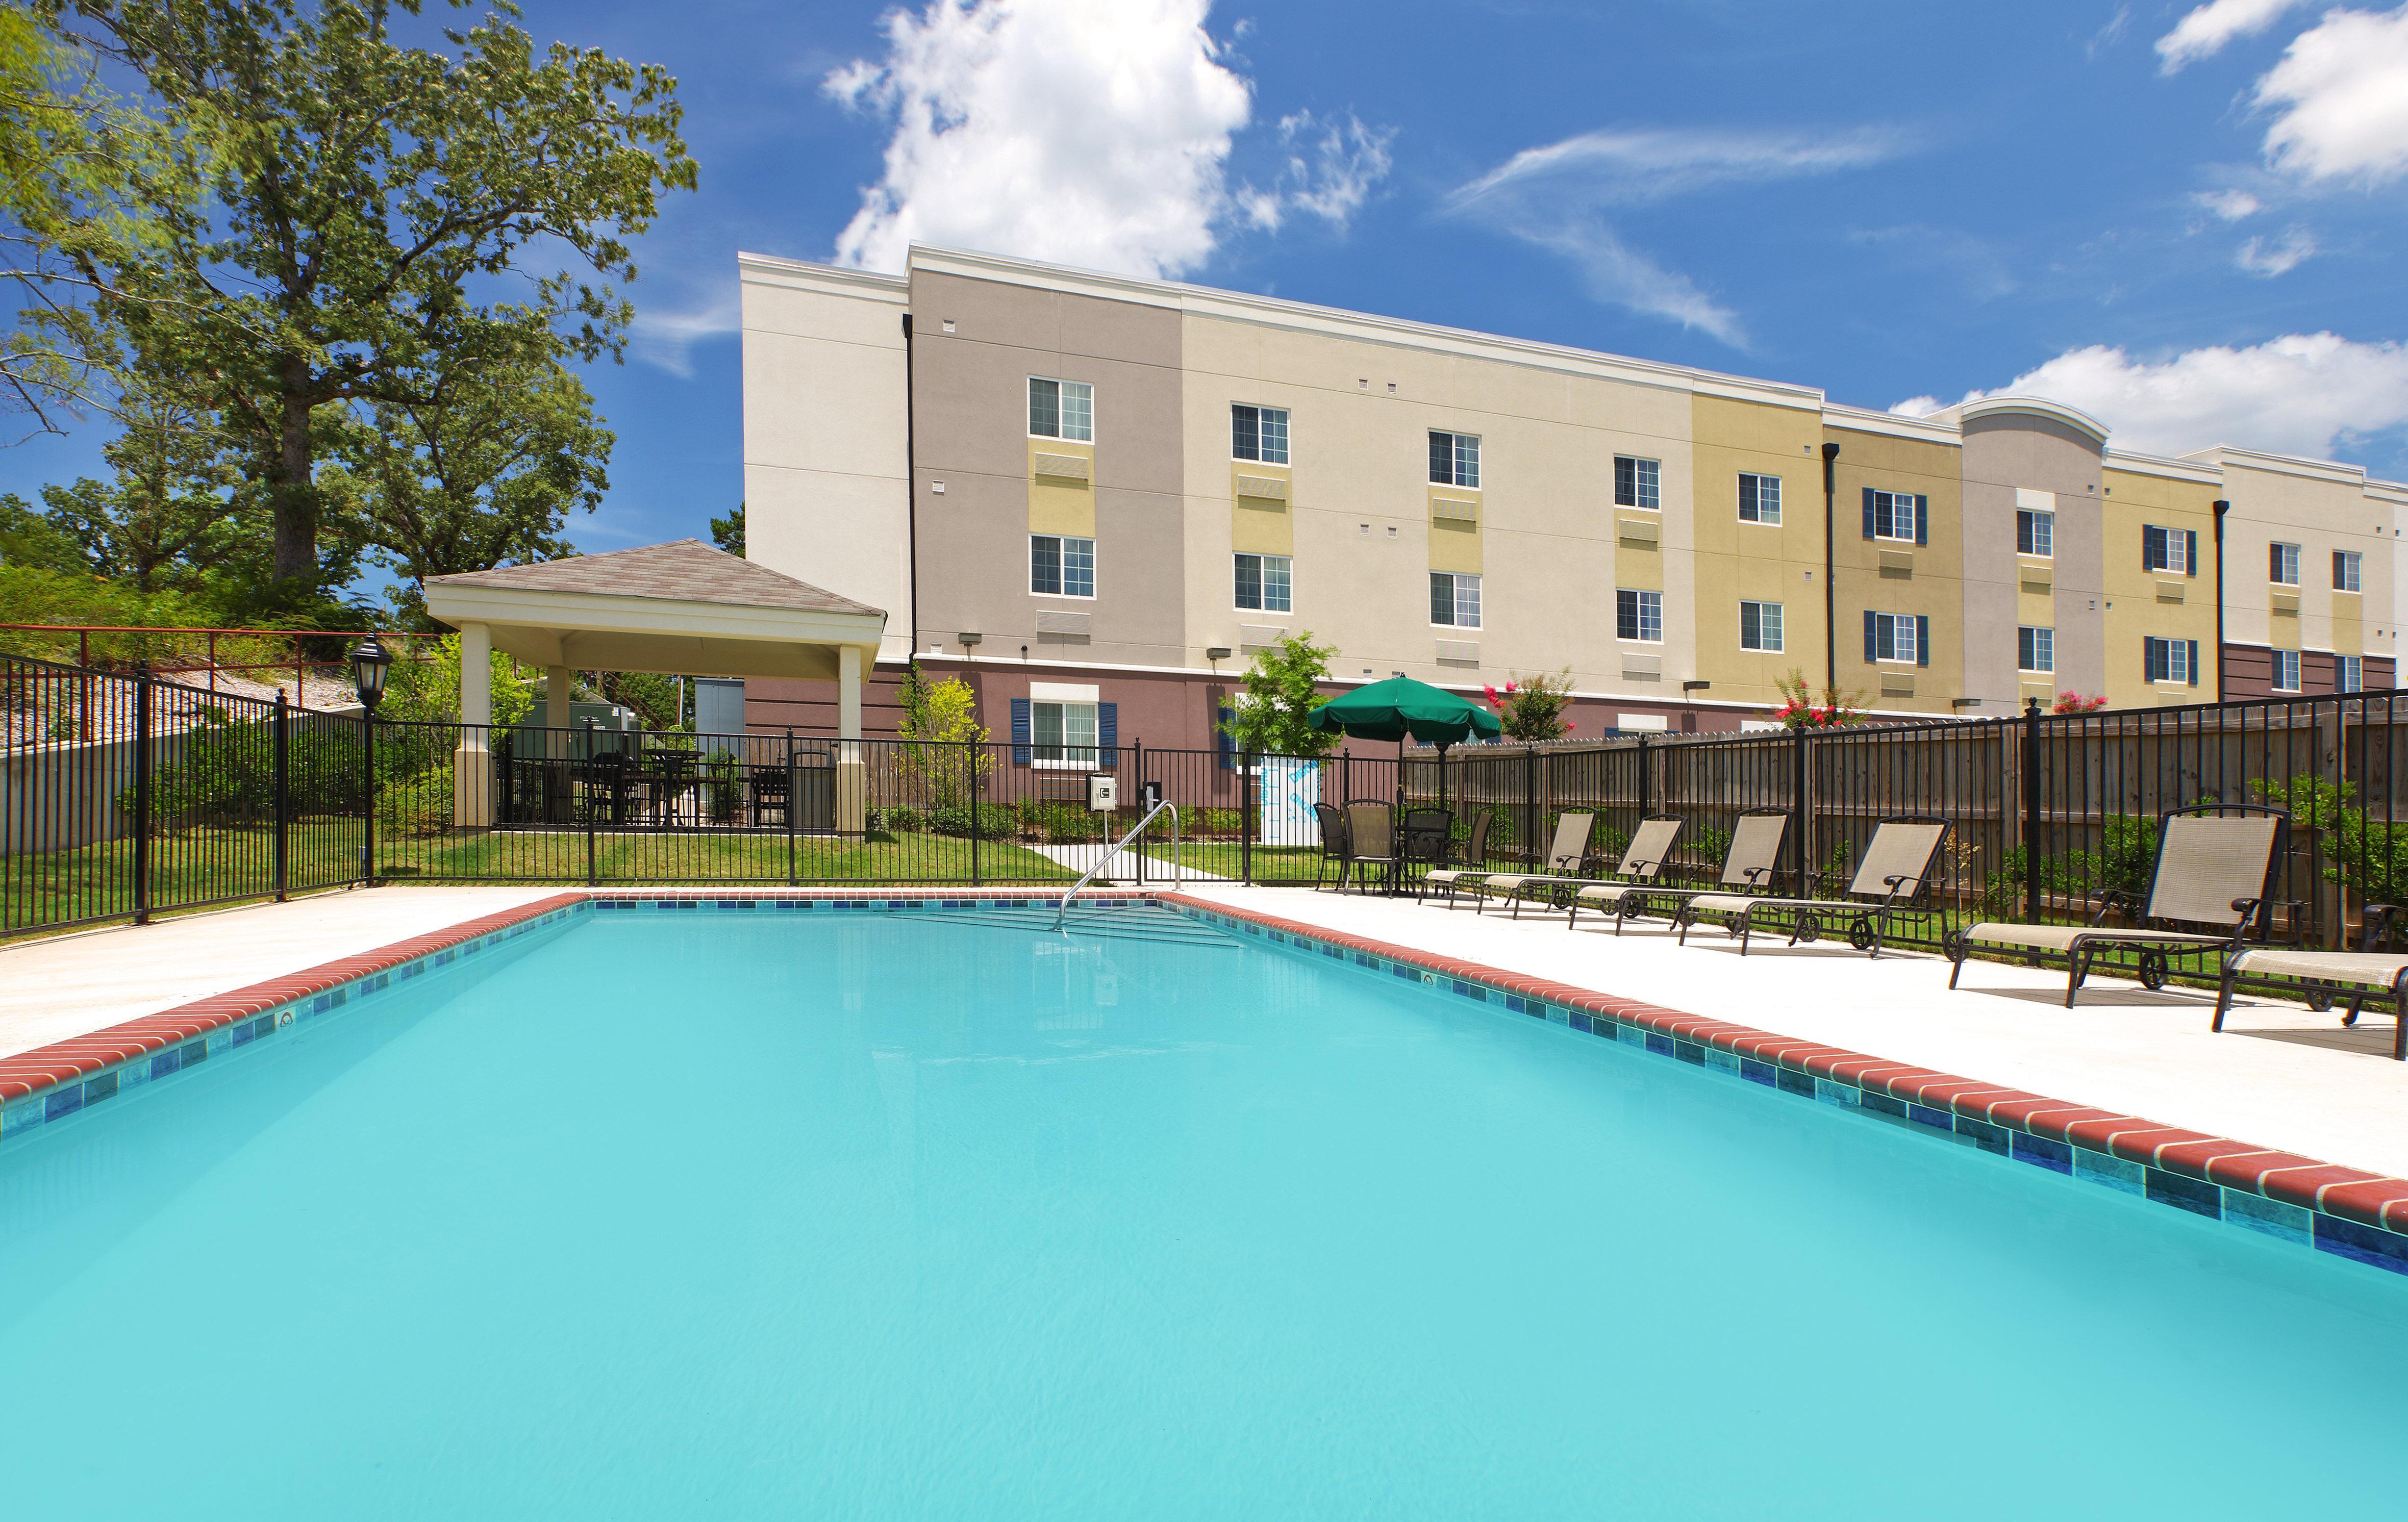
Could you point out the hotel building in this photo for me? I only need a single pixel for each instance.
(1097, 497)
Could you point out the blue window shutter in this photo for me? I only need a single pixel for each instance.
(2194, 661)
(1923, 520)
(1872, 647)
(1921, 640)
(1223, 740)
(1108, 734)
(1868, 512)
(2190, 552)
(2149, 546)
(2148, 659)
(1020, 731)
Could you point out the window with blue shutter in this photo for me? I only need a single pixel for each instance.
(1020, 731)
(1872, 636)
(2190, 568)
(2193, 660)
(1923, 520)
(1108, 734)
(1869, 520)
(1921, 640)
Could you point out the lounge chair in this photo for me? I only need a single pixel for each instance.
(1894, 878)
(2215, 869)
(1473, 862)
(1566, 856)
(2369, 973)
(1638, 869)
(1749, 864)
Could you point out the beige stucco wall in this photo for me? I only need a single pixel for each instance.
(1932, 587)
(2320, 508)
(1736, 562)
(2137, 608)
(826, 488)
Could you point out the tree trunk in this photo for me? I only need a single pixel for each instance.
(293, 494)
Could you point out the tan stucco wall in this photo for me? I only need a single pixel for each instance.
(2136, 608)
(1934, 588)
(1738, 562)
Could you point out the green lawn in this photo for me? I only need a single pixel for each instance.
(188, 867)
(528, 855)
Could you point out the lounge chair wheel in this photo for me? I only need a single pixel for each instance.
(2153, 969)
(1860, 933)
(1952, 945)
(2320, 1000)
(1810, 930)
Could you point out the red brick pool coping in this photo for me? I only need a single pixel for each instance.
(2350, 1193)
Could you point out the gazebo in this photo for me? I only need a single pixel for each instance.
(682, 607)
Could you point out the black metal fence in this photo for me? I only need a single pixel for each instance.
(126, 795)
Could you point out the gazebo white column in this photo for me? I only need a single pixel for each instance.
(472, 763)
(851, 773)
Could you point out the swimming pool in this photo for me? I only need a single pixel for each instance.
(926, 1215)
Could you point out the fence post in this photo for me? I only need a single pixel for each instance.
(592, 877)
(978, 803)
(1246, 817)
(1529, 804)
(1642, 774)
(793, 804)
(283, 736)
(1804, 761)
(2031, 822)
(142, 792)
(368, 797)
(1138, 751)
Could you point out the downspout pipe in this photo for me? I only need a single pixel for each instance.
(911, 490)
(2221, 507)
(1831, 550)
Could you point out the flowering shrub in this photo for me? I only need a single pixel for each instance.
(2074, 703)
(1800, 711)
(1532, 709)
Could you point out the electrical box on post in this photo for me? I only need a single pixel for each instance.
(1103, 793)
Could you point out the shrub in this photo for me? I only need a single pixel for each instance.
(901, 820)
(995, 820)
(416, 805)
(222, 771)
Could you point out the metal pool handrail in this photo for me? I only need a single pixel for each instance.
(1105, 861)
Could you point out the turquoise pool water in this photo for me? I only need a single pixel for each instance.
(738, 1216)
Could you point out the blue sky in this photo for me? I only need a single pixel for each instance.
(2184, 218)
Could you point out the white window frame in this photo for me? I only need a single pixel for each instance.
(1262, 563)
(2349, 673)
(2177, 662)
(1262, 455)
(1461, 582)
(1901, 636)
(1070, 756)
(1778, 645)
(1464, 458)
(1894, 501)
(1646, 483)
(2283, 556)
(2039, 526)
(1065, 392)
(2349, 568)
(2040, 641)
(1062, 565)
(1648, 606)
(2173, 545)
(2286, 664)
(1762, 482)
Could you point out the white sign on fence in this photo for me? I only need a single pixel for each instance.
(1290, 787)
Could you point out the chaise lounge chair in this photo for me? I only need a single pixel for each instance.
(2216, 870)
(2371, 973)
(1650, 847)
(1749, 864)
(1895, 878)
(1568, 857)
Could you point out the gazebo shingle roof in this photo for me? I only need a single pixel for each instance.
(683, 570)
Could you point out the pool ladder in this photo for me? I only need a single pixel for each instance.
(1122, 844)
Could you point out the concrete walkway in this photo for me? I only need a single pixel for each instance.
(67, 984)
(2279, 1075)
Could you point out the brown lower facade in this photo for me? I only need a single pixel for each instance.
(2249, 672)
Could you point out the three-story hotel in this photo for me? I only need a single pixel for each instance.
(1097, 497)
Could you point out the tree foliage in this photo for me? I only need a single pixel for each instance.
(1275, 703)
(1532, 707)
(728, 532)
(946, 714)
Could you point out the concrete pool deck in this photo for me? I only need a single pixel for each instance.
(2280, 1076)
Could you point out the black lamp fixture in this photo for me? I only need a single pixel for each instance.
(1695, 687)
(369, 663)
(1217, 652)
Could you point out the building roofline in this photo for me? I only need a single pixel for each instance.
(1896, 424)
(2228, 455)
(2133, 463)
(832, 279)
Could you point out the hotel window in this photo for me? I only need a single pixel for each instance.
(1455, 459)
(1454, 600)
(1759, 498)
(1259, 433)
(1062, 409)
(1902, 638)
(2287, 670)
(2346, 564)
(1897, 514)
(2283, 564)
(1063, 734)
(2174, 551)
(2171, 660)
(1263, 583)
(1638, 614)
(2035, 648)
(1634, 483)
(1061, 567)
(1760, 626)
(2035, 533)
(2349, 673)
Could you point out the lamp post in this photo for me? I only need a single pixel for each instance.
(369, 663)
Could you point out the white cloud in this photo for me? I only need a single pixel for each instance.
(2204, 31)
(2296, 394)
(1095, 132)
(2260, 257)
(1560, 197)
(2231, 205)
(667, 338)
(2342, 93)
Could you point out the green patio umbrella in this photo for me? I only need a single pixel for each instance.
(1401, 706)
